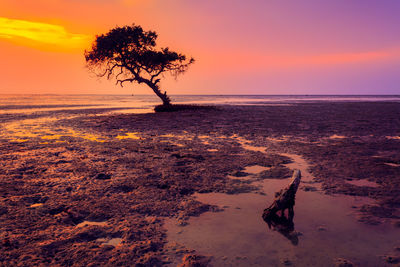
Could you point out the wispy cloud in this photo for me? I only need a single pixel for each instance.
(45, 35)
(260, 61)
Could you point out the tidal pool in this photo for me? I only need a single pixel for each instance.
(112, 242)
(87, 223)
(324, 230)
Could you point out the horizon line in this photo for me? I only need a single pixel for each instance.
(17, 94)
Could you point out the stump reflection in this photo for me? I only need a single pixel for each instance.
(283, 225)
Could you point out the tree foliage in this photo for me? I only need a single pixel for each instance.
(129, 54)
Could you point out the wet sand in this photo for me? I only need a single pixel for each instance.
(85, 189)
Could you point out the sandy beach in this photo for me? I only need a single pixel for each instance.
(82, 188)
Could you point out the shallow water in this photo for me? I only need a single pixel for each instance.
(87, 223)
(255, 169)
(128, 135)
(112, 242)
(392, 164)
(36, 205)
(335, 136)
(325, 229)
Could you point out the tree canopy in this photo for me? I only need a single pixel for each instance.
(130, 54)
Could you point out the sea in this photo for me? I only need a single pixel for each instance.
(32, 103)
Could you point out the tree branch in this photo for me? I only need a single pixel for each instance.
(123, 81)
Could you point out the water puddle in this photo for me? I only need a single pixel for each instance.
(36, 205)
(393, 137)
(129, 135)
(51, 137)
(112, 242)
(323, 231)
(363, 182)
(282, 139)
(392, 164)
(246, 144)
(204, 139)
(255, 169)
(335, 136)
(131, 111)
(298, 163)
(87, 223)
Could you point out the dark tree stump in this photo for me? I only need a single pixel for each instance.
(284, 199)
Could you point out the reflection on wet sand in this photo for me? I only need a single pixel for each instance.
(36, 205)
(246, 144)
(24, 130)
(88, 223)
(111, 242)
(128, 135)
(392, 164)
(335, 136)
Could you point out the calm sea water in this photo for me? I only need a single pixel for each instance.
(145, 103)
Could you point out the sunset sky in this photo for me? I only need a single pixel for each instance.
(240, 47)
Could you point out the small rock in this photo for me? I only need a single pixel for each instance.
(240, 174)
(3, 210)
(392, 259)
(192, 260)
(309, 188)
(396, 224)
(286, 262)
(6, 242)
(182, 222)
(103, 176)
(340, 262)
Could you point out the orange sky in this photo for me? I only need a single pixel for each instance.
(241, 47)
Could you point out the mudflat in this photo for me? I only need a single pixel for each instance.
(85, 188)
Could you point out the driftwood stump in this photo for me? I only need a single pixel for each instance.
(284, 199)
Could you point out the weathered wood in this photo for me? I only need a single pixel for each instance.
(284, 199)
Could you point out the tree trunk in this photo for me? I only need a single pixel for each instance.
(163, 96)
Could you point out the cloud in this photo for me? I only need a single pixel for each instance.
(245, 61)
(41, 35)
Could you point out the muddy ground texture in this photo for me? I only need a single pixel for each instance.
(130, 185)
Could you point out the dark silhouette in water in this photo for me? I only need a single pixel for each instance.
(284, 199)
(129, 54)
(284, 226)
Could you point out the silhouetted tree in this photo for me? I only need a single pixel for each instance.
(129, 54)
